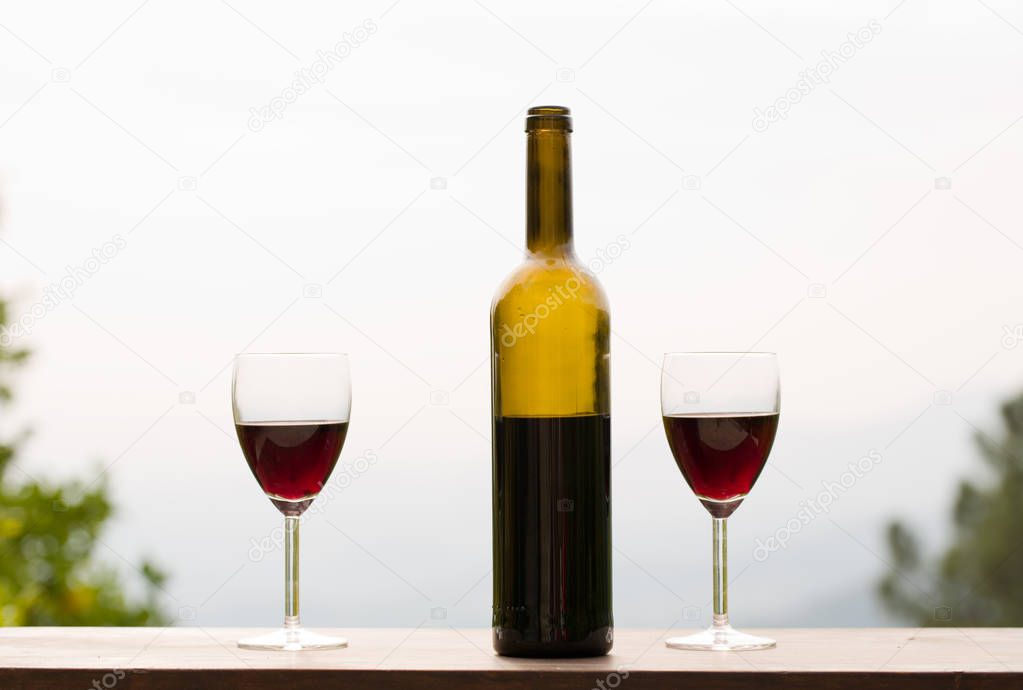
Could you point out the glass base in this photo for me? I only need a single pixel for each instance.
(720, 639)
(292, 640)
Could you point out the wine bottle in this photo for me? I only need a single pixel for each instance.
(551, 425)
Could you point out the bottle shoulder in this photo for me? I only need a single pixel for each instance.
(538, 278)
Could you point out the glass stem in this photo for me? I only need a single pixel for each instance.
(720, 572)
(291, 621)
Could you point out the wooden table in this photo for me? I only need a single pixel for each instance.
(445, 657)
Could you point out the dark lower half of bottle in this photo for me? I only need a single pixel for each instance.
(552, 536)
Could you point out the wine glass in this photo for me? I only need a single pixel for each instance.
(720, 413)
(291, 415)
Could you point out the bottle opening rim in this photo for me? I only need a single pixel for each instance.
(549, 117)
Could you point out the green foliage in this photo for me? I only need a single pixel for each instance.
(49, 535)
(976, 581)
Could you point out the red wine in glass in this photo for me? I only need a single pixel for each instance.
(292, 460)
(721, 455)
(720, 413)
(291, 412)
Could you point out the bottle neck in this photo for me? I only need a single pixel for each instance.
(549, 193)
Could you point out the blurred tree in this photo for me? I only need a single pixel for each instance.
(48, 535)
(976, 582)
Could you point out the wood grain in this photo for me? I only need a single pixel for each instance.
(445, 657)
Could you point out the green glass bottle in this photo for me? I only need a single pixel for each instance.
(552, 426)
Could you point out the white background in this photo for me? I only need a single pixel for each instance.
(823, 238)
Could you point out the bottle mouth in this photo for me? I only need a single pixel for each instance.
(549, 117)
